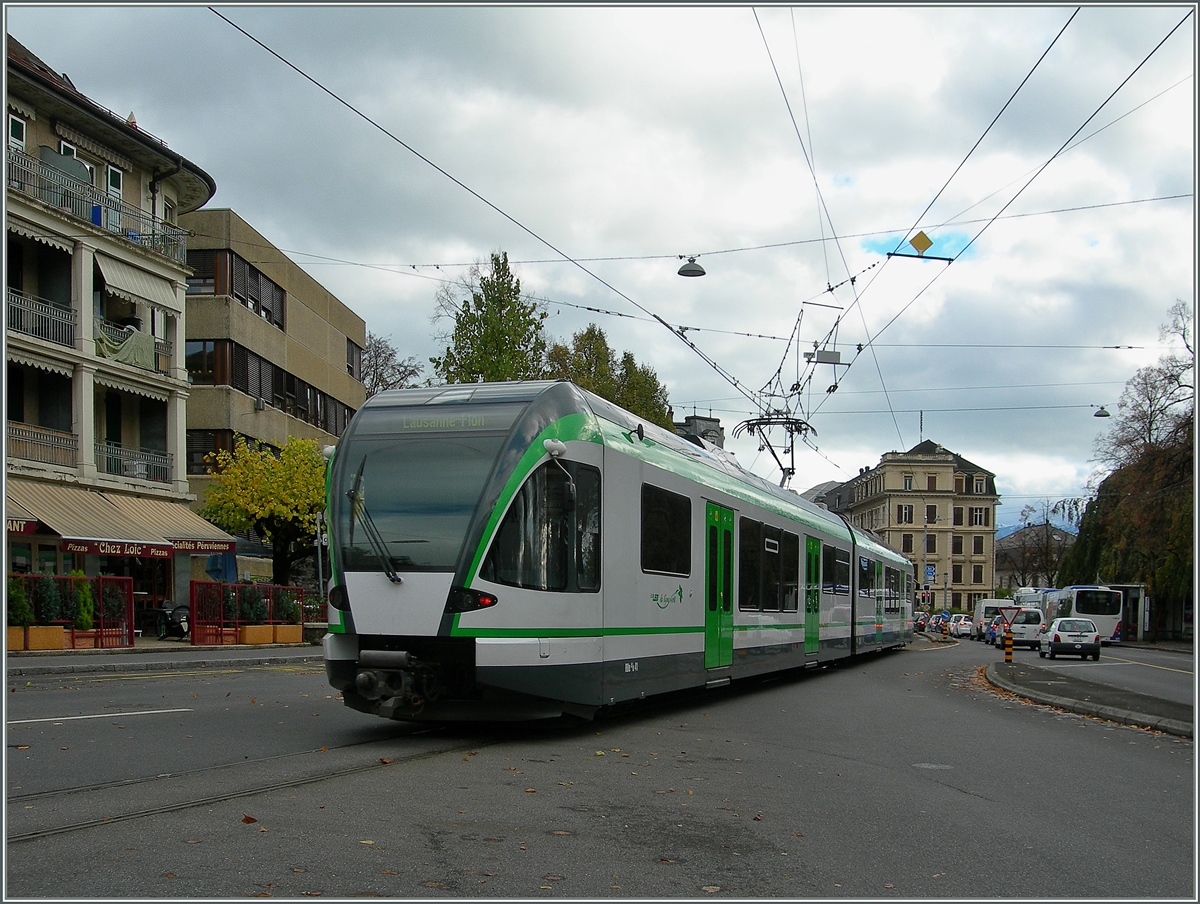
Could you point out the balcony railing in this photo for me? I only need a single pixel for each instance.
(36, 179)
(144, 464)
(114, 345)
(41, 444)
(38, 317)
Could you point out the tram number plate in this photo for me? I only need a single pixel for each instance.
(631, 667)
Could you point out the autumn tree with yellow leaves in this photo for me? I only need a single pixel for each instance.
(279, 496)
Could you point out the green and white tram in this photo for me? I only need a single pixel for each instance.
(521, 550)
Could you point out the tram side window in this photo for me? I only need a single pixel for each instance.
(835, 570)
(534, 543)
(892, 581)
(866, 577)
(791, 572)
(768, 568)
(749, 563)
(666, 531)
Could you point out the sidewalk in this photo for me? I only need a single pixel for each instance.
(1090, 698)
(150, 654)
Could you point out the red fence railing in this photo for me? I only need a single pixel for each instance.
(221, 613)
(93, 612)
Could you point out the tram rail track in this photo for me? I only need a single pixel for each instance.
(223, 797)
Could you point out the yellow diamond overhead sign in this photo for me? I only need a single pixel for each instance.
(921, 242)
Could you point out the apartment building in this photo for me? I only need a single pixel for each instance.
(270, 353)
(96, 381)
(935, 507)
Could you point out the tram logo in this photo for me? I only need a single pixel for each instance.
(662, 600)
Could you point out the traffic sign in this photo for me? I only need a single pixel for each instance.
(945, 613)
(1008, 613)
(930, 572)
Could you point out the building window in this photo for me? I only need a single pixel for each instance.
(908, 481)
(906, 542)
(931, 514)
(976, 574)
(956, 600)
(931, 543)
(958, 484)
(68, 150)
(354, 359)
(931, 481)
(958, 516)
(168, 211)
(666, 531)
(203, 280)
(200, 358)
(204, 443)
(904, 514)
(16, 132)
(979, 516)
(956, 574)
(977, 544)
(979, 486)
(956, 545)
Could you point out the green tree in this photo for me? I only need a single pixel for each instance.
(1138, 527)
(590, 362)
(279, 496)
(497, 334)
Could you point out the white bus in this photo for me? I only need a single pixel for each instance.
(1032, 598)
(1101, 604)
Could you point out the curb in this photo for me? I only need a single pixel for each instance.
(81, 668)
(1113, 714)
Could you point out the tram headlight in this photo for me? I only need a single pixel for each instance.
(463, 600)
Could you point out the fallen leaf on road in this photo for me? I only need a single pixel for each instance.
(531, 790)
(888, 885)
(366, 842)
(711, 888)
(384, 760)
(247, 819)
(559, 832)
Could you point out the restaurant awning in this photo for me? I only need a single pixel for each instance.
(18, 520)
(186, 530)
(136, 285)
(110, 524)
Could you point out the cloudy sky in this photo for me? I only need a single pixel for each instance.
(788, 149)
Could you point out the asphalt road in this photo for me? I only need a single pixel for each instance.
(903, 775)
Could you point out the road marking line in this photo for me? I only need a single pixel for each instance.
(148, 712)
(1148, 665)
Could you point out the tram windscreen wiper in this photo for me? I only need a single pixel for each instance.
(358, 507)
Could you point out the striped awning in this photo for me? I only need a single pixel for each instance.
(20, 227)
(137, 285)
(96, 523)
(186, 530)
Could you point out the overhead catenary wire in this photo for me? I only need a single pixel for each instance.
(871, 339)
(566, 257)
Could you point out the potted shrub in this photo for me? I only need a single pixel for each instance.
(252, 612)
(287, 616)
(84, 607)
(47, 607)
(20, 614)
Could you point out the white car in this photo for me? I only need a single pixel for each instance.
(1026, 629)
(960, 626)
(1072, 636)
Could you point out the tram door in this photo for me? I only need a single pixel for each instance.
(718, 587)
(812, 595)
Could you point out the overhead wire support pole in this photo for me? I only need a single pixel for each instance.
(922, 257)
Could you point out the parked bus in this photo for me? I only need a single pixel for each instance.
(1101, 604)
(1032, 597)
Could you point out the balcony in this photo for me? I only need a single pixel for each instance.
(144, 464)
(35, 179)
(50, 447)
(129, 345)
(38, 317)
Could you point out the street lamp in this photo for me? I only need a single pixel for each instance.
(1101, 411)
(691, 268)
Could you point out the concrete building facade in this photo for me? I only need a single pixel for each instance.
(270, 353)
(96, 382)
(935, 507)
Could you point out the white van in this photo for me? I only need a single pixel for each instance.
(985, 611)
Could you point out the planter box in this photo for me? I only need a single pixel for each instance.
(16, 638)
(82, 640)
(44, 637)
(289, 633)
(255, 634)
